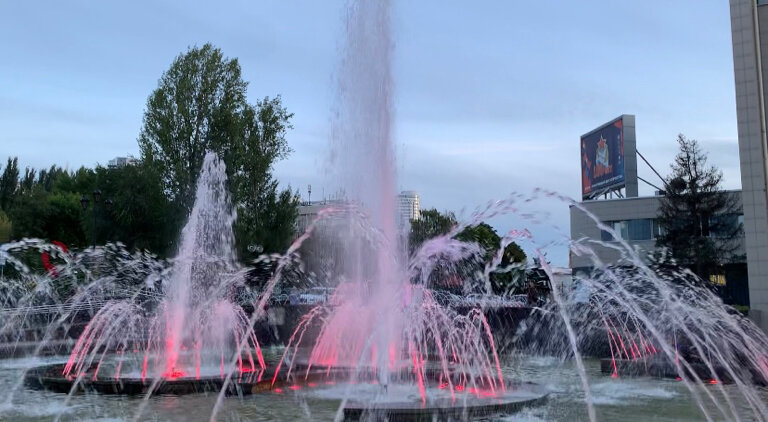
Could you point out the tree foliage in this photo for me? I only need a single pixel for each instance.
(39, 208)
(699, 220)
(48, 206)
(6, 228)
(200, 105)
(511, 265)
(9, 183)
(433, 223)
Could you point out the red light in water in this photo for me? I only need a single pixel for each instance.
(678, 379)
(311, 384)
(443, 385)
(459, 388)
(713, 381)
(614, 375)
(278, 390)
(295, 387)
(173, 374)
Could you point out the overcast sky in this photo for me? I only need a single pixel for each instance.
(491, 96)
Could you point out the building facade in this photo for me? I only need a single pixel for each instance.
(118, 162)
(749, 32)
(634, 221)
(407, 208)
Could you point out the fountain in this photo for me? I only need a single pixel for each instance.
(178, 344)
(387, 330)
(387, 345)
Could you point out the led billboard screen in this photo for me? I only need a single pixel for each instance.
(602, 159)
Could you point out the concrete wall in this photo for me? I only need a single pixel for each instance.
(583, 226)
(749, 31)
(609, 210)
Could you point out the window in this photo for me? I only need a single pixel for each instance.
(639, 229)
(717, 279)
(650, 229)
(620, 227)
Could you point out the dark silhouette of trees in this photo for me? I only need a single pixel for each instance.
(699, 220)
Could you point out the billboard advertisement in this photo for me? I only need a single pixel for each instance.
(602, 159)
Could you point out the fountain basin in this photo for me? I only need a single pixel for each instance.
(50, 378)
(467, 406)
(463, 404)
(662, 368)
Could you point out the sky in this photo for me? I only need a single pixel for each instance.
(491, 97)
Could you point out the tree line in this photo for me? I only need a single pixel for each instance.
(199, 105)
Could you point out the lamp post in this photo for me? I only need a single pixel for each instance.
(96, 199)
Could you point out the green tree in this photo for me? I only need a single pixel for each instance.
(698, 219)
(200, 105)
(48, 207)
(431, 223)
(27, 183)
(485, 236)
(9, 184)
(41, 210)
(512, 278)
(6, 228)
(266, 215)
(63, 218)
(141, 216)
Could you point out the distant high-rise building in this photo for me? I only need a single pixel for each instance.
(407, 207)
(118, 162)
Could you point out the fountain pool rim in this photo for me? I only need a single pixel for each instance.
(50, 377)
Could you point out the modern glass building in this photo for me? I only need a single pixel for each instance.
(407, 208)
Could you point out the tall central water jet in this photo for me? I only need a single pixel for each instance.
(364, 162)
(386, 322)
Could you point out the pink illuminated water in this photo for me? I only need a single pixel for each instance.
(387, 320)
(196, 324)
